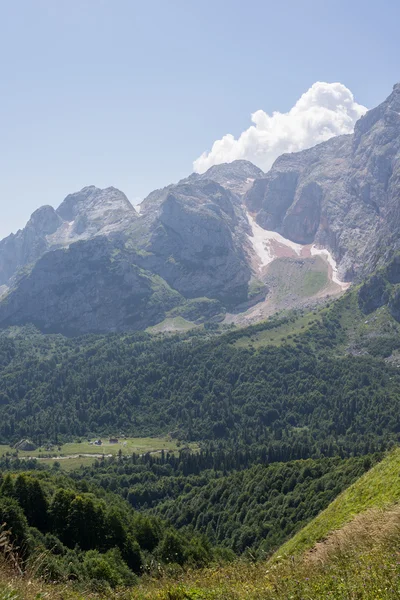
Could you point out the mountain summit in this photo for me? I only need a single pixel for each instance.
(232, 240)
(342, 194)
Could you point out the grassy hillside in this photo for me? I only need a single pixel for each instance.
(359, 561)
(379, 488)
(292, 280)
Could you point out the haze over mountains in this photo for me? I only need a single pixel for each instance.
(213, 245)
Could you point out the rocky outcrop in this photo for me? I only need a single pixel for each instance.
(93, 212)
(342, 194)
(195, 241)
(92, 286)
(83, 215)
(237, 176)
(382, 288)
(27, 245)
(95, 264)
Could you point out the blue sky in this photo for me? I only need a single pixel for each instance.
(129, 93)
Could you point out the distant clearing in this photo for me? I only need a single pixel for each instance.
(279, 335)
(73, 455)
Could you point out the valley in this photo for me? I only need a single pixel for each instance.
(200, 396)
(72, 455)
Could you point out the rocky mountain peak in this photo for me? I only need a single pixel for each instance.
(81, 216)
(95, 202)
(93, 211)
(236, 169)
(44, 221)
(342, 194)
(195, 240)
(237, 176)
(385, 115)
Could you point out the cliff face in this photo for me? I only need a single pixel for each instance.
(195, 241)
(93, 286)
(27, 245)
(381, 289)
(95, 264)
(342, 194)
(81, 216)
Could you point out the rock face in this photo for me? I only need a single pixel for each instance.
(195, 241)
(95, 264)
(92, 286)
(342, 194)
(382, 288)
(237, 176)
(83, 215)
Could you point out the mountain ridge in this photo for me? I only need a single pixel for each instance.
(339, 199)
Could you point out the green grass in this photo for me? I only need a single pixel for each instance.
(278, 335)
(378, 488)
(71, 454)
(358, 561)
(362, 332)
(301, 278)
(174, 324)
(313, 282)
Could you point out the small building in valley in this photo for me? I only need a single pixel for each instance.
(25, 445)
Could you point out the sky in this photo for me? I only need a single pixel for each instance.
(137, 94)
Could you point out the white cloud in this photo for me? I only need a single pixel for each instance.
(325, 110)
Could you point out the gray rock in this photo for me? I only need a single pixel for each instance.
(95, 264)
(237, 176)
(92, 286)
(342, 194)
(83, 215)
(194, 240)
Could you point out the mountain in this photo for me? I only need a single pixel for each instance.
(81, 216)
(342, 194)
(95, 264)
(237, 176)
(232, 244)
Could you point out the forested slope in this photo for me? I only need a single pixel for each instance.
(243, 509)
(294, 399)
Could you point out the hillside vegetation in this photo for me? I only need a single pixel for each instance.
(378, 489)
(260, 428)
(248, 511)
(358, 561)
(301, 397)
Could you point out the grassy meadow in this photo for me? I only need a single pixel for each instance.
(72, 455)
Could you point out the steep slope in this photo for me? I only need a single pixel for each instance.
(240, 243)
(190, 238)
(92, 286)
(357, 559)
(237, 176)
(379, 488)
(342, 194)
(83, 215)
(195, 239)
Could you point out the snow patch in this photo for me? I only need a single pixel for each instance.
(263, 243)
(332, 262)
(269, 245)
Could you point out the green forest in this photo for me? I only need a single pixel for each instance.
(284, 416)
(303, 398)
